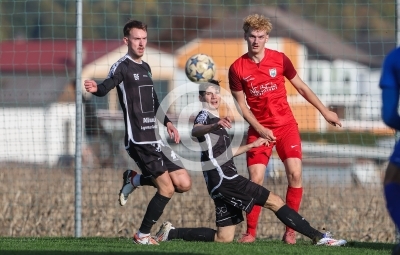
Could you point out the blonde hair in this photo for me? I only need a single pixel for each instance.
(257, 22)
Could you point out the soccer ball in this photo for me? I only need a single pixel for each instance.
(200, 68)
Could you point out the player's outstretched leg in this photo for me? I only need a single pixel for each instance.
(168, 232)
(292, 219)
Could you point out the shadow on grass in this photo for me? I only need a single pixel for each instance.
(371, 246)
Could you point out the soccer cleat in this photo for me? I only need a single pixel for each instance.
(144, 240)
(247, 238)
(162, 234)
(327, 240)
(127, 187)
(289, 237)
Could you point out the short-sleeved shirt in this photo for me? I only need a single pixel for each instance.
(216, 150)
(264, 86)
(137, 98)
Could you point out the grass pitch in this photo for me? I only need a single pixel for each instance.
(93, 246)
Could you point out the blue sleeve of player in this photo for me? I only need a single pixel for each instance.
(390, 85)
(390, 77)
(390, 104)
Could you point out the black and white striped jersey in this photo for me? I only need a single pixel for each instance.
(216, 150)
(137, 98)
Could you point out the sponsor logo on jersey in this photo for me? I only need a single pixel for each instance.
(272, 72)
(262, 89)
(148, 127)
(136, 76)
(149, 120)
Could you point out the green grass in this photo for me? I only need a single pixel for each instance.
(92, 246)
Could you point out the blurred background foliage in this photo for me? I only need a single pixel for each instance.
(351, 20)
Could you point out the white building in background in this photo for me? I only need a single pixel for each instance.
(37, 99)
(37, 125)
(350, 88)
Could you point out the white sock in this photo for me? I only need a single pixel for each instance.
(141, 235)
(136, 180)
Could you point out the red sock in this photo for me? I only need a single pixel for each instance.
(293, 199)
(252, 220)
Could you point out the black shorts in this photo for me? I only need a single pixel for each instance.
(232, 196)
(154, 159)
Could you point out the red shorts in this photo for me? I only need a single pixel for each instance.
(288, 145)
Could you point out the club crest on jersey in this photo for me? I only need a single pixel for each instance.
(272, 72)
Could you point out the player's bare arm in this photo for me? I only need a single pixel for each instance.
(90, 86)
(330, 116)
(173, 132)
(250, 118)
(200, 129)
(244, 148)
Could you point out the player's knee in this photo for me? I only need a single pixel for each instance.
(294, 179)
(258, 180)
(274, 202)
(184, 186)
(223, 238)
(181, 180)
(225, 234)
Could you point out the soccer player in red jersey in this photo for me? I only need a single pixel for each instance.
(257, 82)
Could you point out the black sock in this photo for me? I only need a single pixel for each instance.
(146, 181)
(153, 212)
(295, 221)
(192, 234)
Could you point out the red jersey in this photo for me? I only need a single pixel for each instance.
(264, 86)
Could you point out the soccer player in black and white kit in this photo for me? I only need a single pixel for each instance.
(231, 192)
(159, 164)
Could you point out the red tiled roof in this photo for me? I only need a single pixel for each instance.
(50, 55)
